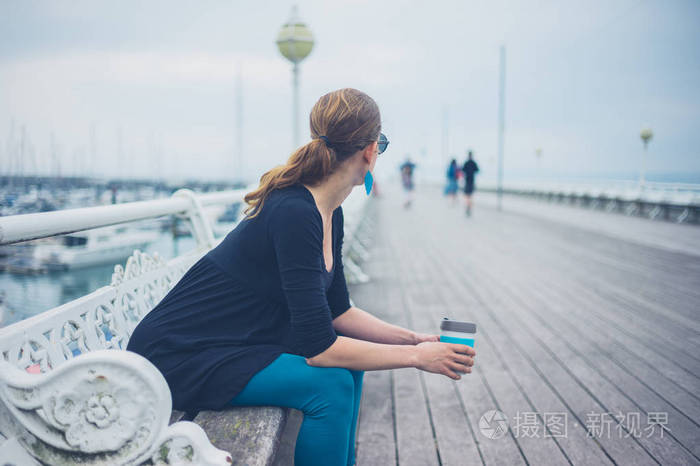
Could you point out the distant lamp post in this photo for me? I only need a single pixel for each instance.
(538, 154)
(295, 42)
(646, 136)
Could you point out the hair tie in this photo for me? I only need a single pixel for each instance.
(325, 139)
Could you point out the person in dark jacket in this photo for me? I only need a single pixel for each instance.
(407, 169)
(264, 318)
(470, 168)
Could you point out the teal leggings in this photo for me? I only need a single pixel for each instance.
(329, 397)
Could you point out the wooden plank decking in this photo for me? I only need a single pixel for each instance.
(578, 317)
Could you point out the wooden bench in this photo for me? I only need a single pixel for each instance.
(67, 397)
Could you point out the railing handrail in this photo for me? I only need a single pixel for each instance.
(26, 227)
(612, 184)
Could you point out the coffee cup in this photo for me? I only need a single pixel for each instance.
(454, 331)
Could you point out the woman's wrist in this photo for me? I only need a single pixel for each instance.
(412, 352)
(403, 336)
(411, 338)
(421, 337)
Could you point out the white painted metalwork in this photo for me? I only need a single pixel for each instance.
(109, 407)
(673, 201)
(17, 228)
(355, 228)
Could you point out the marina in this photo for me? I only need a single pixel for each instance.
(39, 275)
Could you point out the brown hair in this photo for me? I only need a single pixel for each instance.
(350, 121)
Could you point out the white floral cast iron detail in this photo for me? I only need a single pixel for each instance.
(114, 403)
(82, 399)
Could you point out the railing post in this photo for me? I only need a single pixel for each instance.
(201, 229)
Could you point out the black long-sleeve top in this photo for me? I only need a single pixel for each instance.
(262, 291)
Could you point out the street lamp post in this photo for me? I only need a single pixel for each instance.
(501, 119)
(646, 136)
(295, 42)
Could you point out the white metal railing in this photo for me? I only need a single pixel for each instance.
(18, 228)
(671, 192)
(65, 357)
(673, 201)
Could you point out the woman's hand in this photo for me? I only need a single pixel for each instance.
(421, 337)
(445, 358)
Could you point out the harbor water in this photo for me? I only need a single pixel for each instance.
(28, 295)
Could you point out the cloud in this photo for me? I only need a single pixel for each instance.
(143, 68)
(581, 78)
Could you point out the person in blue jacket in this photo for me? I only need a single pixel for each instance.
(264, 318)
(452, 176)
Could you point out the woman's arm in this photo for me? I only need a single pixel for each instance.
(440, 358)
(362, 325)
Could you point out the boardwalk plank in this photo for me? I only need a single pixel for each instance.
(455, 435)
(477, 401)
(605, 393)
(662, 448)
(676, 381)
(655, 297)
(686, 430)
(565, 313)
(557, 376)
(375, 443)
(376, 433)
(579, 448)
(542, 255)
(471, 391)
(559, 252)
(622, 393)
(645, 360)
(537, 451)
(414, 430)
(611, 313)
(415, 440)
(577, 400)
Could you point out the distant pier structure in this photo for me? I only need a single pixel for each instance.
(676, 202)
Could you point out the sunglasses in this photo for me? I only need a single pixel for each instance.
(382, 143)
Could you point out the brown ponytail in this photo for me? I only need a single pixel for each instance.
(348, 118)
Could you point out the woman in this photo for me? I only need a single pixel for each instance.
(264, 318)
(451, 187)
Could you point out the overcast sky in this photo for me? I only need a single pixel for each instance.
(582, 80)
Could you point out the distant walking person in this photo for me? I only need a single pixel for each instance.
(470, 168)
(407, 181)
(451, 187)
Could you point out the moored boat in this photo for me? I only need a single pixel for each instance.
(92, 247)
